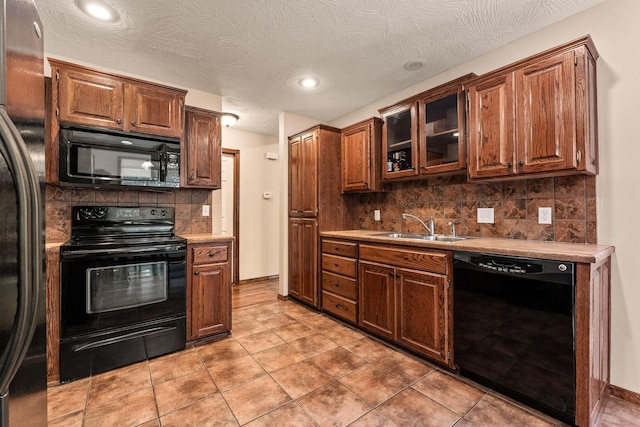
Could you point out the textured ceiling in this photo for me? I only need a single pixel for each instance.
(253, 52)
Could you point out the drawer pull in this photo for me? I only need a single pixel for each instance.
(337, 285)
(196, 273)
(211, 254)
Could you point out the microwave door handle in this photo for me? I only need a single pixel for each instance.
(163, 166)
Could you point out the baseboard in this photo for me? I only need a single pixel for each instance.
(628, 395)
(258, 279)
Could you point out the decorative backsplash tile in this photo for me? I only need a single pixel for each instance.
(515, 204)
(187, 203)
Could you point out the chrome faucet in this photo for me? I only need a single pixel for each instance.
(430, 228)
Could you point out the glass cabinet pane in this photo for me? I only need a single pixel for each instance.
(398, 133)
(441, 131)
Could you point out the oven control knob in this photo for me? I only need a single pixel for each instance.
(562, 267)
(100, 212)
(153, 211)
(163, 213)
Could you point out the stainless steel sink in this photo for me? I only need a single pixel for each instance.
(417, 236)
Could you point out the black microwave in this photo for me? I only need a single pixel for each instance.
(91, 157)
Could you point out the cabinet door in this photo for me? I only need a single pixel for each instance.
(377, 298)
(210, 299)
(422, 313)
(91, 99)
(400, 141)
(308, 179)
(491, 127)
(545, 115)
(154, 111)
(360, 153)
(303, 260)
(203, 149)
(442, 145)
(295, 174)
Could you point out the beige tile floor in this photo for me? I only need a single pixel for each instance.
(286, 365)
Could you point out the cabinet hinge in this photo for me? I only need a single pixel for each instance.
(57, 112)
(449, 354)
(578, 156)
(575, 59)
(57, 75)
(448, 284)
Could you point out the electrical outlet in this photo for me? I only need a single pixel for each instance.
(205, 210)
(485, 216)
(544, 216)
(376, 214)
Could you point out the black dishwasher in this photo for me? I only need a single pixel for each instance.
(514, 328)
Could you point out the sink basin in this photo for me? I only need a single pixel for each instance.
(417, 236)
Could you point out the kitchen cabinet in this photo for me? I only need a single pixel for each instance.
(340, 279)
(405, 296)
(202, 149)
(315, 204)
(360, 156)
(425, 135)
(303, 247)
(87, 97)
(536, 117)
(208, 289)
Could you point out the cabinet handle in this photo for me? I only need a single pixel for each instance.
(509, 165)
(398, 275)
(119, 121)
(211, 254)
(520, 163)
(196, 273)
(337, 285)
(133, 123)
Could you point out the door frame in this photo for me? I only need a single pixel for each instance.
(236, 212)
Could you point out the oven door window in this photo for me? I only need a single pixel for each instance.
(126, 286)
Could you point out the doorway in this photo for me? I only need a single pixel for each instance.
(230, 219)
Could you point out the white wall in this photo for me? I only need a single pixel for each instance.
(259, 225)
(614, 28)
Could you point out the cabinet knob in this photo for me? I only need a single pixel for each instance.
(211, 254)
(337, 285)
(119, 121)
(133, 123)
(520, 163)
(196, 273)
(509, 165)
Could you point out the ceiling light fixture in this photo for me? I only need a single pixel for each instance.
(309, 82)
(413, 65)
(99, 10)
(229, 119)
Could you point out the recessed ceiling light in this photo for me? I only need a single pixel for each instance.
(99, 10)
(413, 65)
(309, 82)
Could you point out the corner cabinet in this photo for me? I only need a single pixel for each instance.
(536, 117)
(202, 149)
(425, 135)
(209, 289)
(360, 156)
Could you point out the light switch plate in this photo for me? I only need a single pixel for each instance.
(544, 216)
(205, 210)
(485, 216)
(376, 214)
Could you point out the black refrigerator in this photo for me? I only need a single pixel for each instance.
(23, 375)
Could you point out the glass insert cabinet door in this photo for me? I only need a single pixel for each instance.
(442, 146)
(399, 137)
(126, 286)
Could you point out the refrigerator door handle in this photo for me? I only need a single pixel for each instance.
(30, 271)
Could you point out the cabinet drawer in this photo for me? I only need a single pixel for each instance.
(210, 254)
(416, 259)
(336, 247)
(340, 285)
(339, 306)
(340, 265)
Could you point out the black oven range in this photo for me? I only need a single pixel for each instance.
(123, 289)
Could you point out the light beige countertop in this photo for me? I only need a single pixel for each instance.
(560, 251)
(204, 238)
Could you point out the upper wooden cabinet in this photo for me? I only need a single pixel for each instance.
(303, 174)
(536, 116)
(202, 149)
(425, 134)
(88, 97)
(360, 155)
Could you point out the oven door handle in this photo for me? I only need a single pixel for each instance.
(126, 337)
(84, 252)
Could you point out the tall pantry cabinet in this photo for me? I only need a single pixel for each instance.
(315, 204)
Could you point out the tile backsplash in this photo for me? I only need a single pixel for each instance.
(515, 203)
(187, 203)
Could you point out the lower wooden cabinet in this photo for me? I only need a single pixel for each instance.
(339, 279)
(303, 259)
(209, 289)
